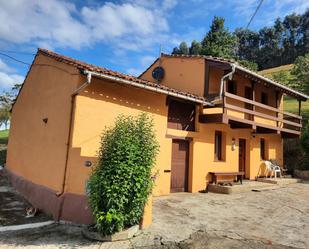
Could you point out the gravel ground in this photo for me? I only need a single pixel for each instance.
(270, 219)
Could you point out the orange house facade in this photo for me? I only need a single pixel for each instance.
(210, 114)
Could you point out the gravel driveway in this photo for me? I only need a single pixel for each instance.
(270, 219)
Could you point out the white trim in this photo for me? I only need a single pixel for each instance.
(25, 226)
(144, 86)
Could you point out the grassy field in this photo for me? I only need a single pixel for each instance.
(270, 71)
(291, 105)
(4, 134)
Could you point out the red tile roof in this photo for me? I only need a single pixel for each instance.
(85, 66)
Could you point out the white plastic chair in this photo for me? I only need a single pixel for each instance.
(273, 169)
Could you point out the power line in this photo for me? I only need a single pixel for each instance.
(258, 7)
(14, 59)
(16, 52)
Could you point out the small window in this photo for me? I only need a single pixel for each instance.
(262, 149)
(264, 98)
(219, 146)
(231, 87)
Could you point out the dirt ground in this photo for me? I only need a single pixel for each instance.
(270, 219)
(13, 206)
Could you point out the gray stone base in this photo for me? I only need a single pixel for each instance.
(122, 235)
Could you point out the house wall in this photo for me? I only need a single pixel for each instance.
(96, 108)
(202, 156)
(185, 74)
(37, 151)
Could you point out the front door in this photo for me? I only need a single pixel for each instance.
(180, 165)
(242, 155)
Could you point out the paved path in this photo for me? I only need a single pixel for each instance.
(269, 219)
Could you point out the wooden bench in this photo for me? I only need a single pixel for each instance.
(214, 176)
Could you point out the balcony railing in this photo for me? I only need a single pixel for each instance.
(255, 114)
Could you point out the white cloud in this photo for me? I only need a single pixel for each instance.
(56, 23)
(7, 81)
(8, 77)
(5, 68)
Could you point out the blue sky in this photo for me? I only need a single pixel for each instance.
(120, 35)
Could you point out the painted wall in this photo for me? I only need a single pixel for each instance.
(96, 108)
(36, 150)
(185, 74)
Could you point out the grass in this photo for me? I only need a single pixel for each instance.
(291, 105)
(270, 71)
(4, 135)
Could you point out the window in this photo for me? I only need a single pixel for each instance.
(264, 98)
(262, 149)
(181, 115)
(219, 153)
(231, 87)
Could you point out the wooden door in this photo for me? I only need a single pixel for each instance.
(248, 95)
(180, 165)
(242, 155)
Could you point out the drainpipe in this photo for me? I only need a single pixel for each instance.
(230, 75)
(76, 92)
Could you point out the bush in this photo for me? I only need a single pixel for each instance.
(120, 184)
(304, 141)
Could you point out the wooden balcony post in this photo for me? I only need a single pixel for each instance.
(277, 113)
(299, 107)
(253, 99)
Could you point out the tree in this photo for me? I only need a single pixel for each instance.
(183, 49)
(219, 41)
(301, 73)
(247, 44)
(120, 184)
(195, 48)
(6, 101)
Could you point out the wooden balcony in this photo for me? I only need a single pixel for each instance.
(240, 112)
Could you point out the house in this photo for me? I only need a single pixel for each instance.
(210, 114)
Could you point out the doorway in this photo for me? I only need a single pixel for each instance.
(242, 155)
(180, 165)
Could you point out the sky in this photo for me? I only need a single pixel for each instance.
(123, 35)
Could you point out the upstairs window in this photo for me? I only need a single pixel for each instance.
(181, 115)
(264, 98)
(231, 87)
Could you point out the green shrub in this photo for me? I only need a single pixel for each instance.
(304, 141)
(120, 184)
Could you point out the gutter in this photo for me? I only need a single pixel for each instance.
(76, 92)
(143, 86)
(228, 75)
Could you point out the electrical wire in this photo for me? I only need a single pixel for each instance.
(257, 9)
(14, 59)
(16, 52)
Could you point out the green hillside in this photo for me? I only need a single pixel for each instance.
(282, 74)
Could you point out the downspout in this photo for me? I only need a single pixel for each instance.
(228, 75)
(76, 92)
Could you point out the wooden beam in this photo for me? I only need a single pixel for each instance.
(233, 96)
(259, 114)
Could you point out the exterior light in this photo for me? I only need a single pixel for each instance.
(233, 144)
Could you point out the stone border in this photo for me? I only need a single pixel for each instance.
(122, 235)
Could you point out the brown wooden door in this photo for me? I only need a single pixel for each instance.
(248, 95)
(242, 155)
(180, 165)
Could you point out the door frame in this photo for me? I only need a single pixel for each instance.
(245, 155)
(187, 165)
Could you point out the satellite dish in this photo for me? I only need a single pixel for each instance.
(158, 73)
